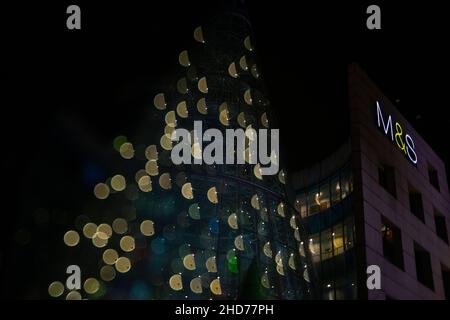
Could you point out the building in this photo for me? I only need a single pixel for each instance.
(381, 199)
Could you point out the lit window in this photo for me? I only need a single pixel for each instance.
(338, 239)
(313, 201)
(335, 190)
(324, 194)
(392, 243)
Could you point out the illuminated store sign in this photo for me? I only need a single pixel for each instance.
(402, 139)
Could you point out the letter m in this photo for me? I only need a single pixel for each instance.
(386, 127)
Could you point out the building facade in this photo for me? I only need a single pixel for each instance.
(382, 200)
(324, 199)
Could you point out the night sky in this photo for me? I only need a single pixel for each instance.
(305, 51)
(125, 52)
(69, 93)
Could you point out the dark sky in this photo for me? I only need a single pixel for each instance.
(126, 50)
(101, 79)
(305, 50)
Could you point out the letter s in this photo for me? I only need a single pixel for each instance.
(410, 149)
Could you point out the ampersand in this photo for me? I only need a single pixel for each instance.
(399, 138)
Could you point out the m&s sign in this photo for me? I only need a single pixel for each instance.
(394, 130)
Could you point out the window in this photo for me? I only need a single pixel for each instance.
(446, 281)
(348, 231)
(338, 239)
(415, 204)
(345, 183)
(300, 205)
(441, 227)
(392, 243)
(335, 190)
(324, 196)
(423, 266)
(326, 244)
(328, 291)
(313, 201)
(433, 177)
(314, 247)
(386, 178)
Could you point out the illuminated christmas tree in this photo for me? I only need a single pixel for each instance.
(196, 231)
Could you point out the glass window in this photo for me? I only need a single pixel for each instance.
(350, 179)
(300, 205)
(328, 291)
(335, 190)
(386, 178)
(416, 205)
(324, 196)
(433, 177)
(340, 294)
(326, 244)
(441, 227)
(392, 243)
(348, 226)
(345, 184)
(314, 247)
(313, 201)
(338, 239)
(423, 266)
